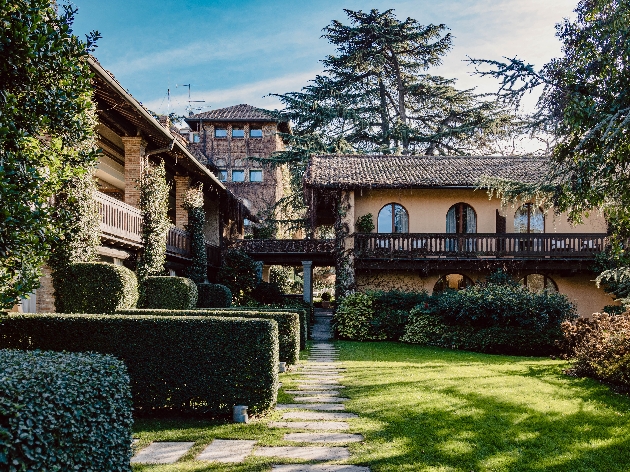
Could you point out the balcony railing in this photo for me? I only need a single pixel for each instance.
(120, 223)
(412, 246)
(288, 246)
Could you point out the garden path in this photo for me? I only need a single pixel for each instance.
(315, 421)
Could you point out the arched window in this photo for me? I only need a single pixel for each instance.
(461, 218)
(452, 282)
(539, 282)
(393, 218)
(529, 219)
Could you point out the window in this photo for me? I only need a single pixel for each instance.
(529, 219)
(196, 138)
(461, 218)
(222, 175)
(539, 282)
(452, 282)
(246, 222)
(238, 176)
(238, 133)
(393, 218)
(255, 176)
(255, 133)
(220, 133)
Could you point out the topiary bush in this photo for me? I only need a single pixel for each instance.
(61, 411)
(600, 348)
(169, 293)
(184, 364)
(239, 273)
(288, 325)
(353, 317)
(96, 287)
(267, 293)
(326, 297)
(213, 296)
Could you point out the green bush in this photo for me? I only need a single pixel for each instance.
(365, 224)
(600, 347)
(169, 293)
(267, 293)
(61, 411)
(501, 318)
(96, 287)
(326, 297)
(239, 273)
(288, 325)
(375, 315)
(192, 364)
(213, 296)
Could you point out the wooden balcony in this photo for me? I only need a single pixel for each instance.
(289, 251)
(121, 225)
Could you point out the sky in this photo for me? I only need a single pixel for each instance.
(240, 51)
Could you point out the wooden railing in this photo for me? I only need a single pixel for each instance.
(178, 242)
(287, 246)
(214, 254)
(119, 222)
(411, 246)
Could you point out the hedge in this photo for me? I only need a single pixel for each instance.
(96, 287)
(213, 296)
(169, 293)
(303, 313)
(61, 411)
(288, 325)
(183, 363)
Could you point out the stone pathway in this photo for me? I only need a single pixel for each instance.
(317, 414)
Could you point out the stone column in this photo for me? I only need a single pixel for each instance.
(265, 273)
(344, 242)
(308, 281)
(45, 302)
(134, 158)
(182, 184)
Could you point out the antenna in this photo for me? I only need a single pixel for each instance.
(189, 107)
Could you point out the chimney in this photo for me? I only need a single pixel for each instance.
(165, 121)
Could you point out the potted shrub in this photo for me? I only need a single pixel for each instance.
(326, 300)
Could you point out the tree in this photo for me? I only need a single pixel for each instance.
(45, 117)
(585, 105)
(376, 96)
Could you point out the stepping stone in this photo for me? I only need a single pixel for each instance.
(316, 415)
(311, 406)
(320, 386)
(227, 450)
(312, 453)
(320, 399)
(162, 453)
(334, 382)
(312, 392)
(315, 425)
(323, 437)
(319, 468)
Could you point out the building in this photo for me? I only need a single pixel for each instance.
(126, 133)
(226, 138)
(434, 229)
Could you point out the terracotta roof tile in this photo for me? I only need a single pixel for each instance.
(387, 171)
(241, 112)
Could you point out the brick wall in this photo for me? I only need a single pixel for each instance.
(46, 293)
(134, 153)
(182, 184)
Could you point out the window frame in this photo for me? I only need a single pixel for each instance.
(547, 281)
(529, 218)
(238, 137)
(216, 130)
(238, 170)
(261, 175)
(460, 212)
(393, 222)
(222, 172)
(255, 129)
(468, 282)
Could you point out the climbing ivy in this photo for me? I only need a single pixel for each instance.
(193, 202)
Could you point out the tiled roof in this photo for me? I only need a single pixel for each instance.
(387, 171)
(241, 112)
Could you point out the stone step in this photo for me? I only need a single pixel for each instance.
(312, 392)
(319, 399)
(314, 425)
(311, 406)
(318, 468)
(227, 450)
(317, 415)
(323, 437)
(308, 453)
(162, 453)
(320, 386)
(319, 381)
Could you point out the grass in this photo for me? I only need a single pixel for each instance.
(429, 409)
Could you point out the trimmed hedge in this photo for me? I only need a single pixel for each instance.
(267, 293)
(288, 325)
(188, 364)
(96, 287)
(169, 293)
(213, 296)
(61, 411)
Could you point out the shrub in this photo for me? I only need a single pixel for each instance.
(288, 325)
(365, 224)
(267, 293)
(62, 411)
(600, 347)
(97, 287)
(326, 297)
(492, 318)
(192, 364)
(239, 273)
(375, 315)
(213, 296)
(169, 293)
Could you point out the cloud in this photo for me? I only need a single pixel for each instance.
(253, 94)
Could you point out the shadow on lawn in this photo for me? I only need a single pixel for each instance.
(449, 423)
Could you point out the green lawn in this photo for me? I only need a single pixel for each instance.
(429, 409)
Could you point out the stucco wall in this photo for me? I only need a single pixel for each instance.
(427, 210)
